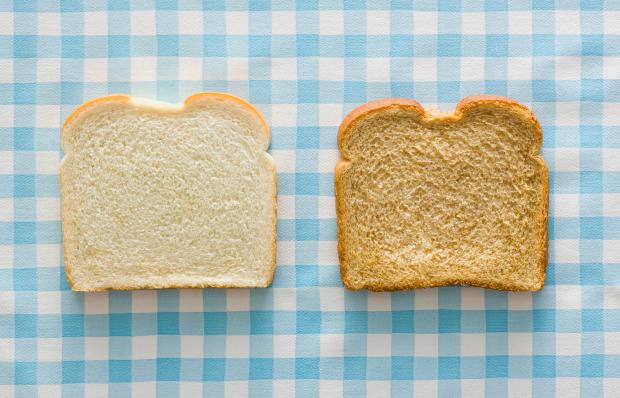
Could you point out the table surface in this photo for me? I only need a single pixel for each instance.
(305, 66)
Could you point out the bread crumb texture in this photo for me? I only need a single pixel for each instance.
(428, 201)
(156, 196)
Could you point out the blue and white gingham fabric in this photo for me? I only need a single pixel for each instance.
(305, 66)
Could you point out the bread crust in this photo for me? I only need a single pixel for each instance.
(192, 98)
(462, 108)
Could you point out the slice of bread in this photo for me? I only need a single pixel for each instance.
(162, 196)
(430, 200)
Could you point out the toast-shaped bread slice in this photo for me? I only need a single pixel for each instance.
(430, 200)
(162, 196)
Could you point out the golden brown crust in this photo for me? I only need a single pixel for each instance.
(374, 106)
(233, 98)
(462, 107)
(123, 97)
(91, 103)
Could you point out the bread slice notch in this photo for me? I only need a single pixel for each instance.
(426, 200)
(155, 195)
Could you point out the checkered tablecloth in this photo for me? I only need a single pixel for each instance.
(305, 66)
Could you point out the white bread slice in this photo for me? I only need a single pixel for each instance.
(431, 200)
(162, 196)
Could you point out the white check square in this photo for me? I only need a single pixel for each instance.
(567, 297)
(284, 68)
(610, 22)
(332, 345)
(237, 69)
(6, 210)
(49, 24)
(284, 159)
(426, 299)
(564, 250)
(425, 69)
(54, 391)
(425, 22)
(331, 69)
(568, 387)
(328, 253)
(473, 344)
(49, 302)
(520, 68)
(142, 23)
(472, 68)
(328, 158)
(284, 299)
(190, 68)
(379, 301)
(567, 22)
(238, 300)
(6, 256)
(6, 70)
(285, 253)
(612, 343)
(570, 112)
(143, 388)
(376, 388)
(566, 159)
(520, 301)
(237, 346)
(96, 303)
(566, 205)
(48, 116)
(284, 346)
(48, 70)
(472, 298)
(96, 23)
(611, 113)
(192, 346)
(611, 204)
(48, 209)
(611, 67)
(567, 68)
(330, 114)
(143, 347)
(191, 22)
(518, 388)
(425, 388)
(332, 298)
(283, 115)
(425, 345)
(144, 301)
(6, 23)
(144, 69)
(331, 22)
(611, 251)
(568, 344)
(377, 22)
(7, 300)
(473, 23)
(49, 349)
(191, 300)
(379, 345)
(520, 22)
(237, 22)
(283, 22)
(190, 389)
(520, 344)
(611, 159)
(327, 207)
(96, 348)
(378, 70)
